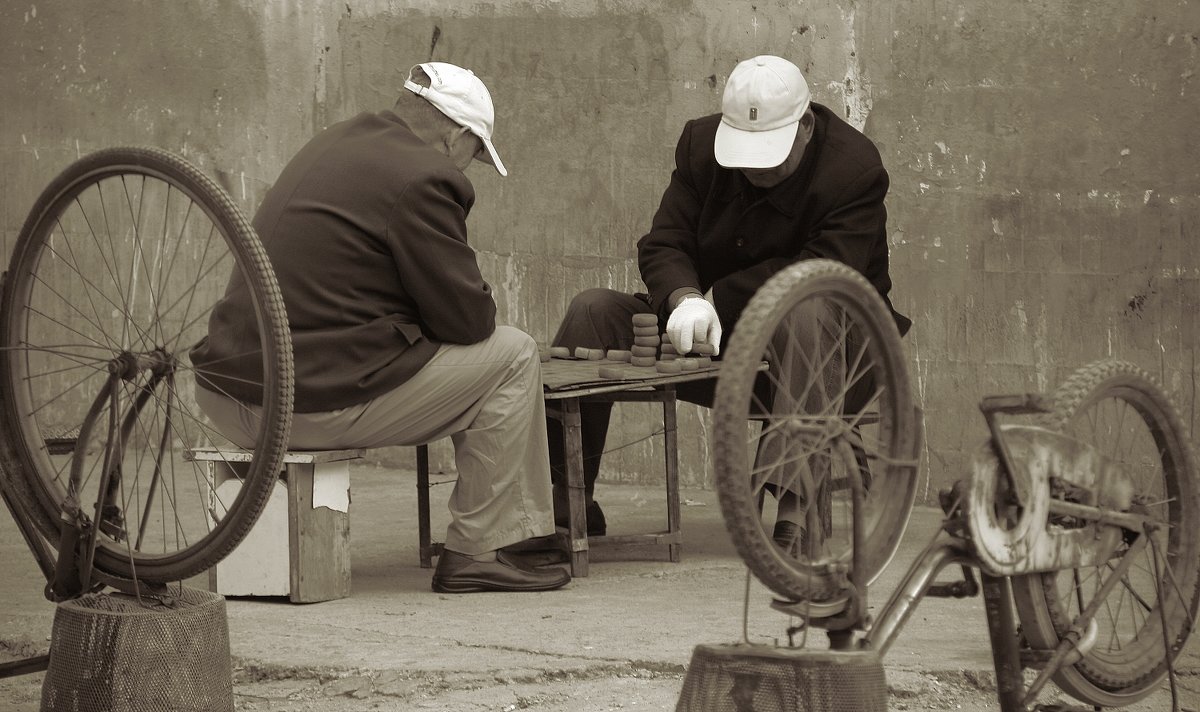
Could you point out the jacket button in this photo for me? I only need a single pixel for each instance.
(739, 242)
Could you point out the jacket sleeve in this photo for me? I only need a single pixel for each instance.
(668, 254)
(849, 233)
(427, 234)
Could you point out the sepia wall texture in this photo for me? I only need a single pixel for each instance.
(1044, 201)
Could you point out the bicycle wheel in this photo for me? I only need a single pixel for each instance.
(117, 267)
(835, 373)
(1120, 411)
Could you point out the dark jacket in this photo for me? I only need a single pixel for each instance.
(716, 229)
(366, 230)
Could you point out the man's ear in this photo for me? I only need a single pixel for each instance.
(453, 137)
(807, 122)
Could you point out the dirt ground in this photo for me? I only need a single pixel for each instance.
(619, 639)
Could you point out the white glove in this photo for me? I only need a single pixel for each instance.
(694, 320)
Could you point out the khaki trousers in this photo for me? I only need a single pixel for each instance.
(487, 397)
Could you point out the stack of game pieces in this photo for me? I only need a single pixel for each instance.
(671, 361)
(668, 360)
(645, 340)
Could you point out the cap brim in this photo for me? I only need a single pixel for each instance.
(492, 157)
(735, 148)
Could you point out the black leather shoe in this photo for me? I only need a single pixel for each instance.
(456, 573)
(790, 537)
(596, 525)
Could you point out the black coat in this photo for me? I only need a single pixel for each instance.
(714, 229)
(366, 230)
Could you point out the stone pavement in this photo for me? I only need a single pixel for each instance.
(618, 639)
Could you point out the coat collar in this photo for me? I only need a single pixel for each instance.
(787, 196)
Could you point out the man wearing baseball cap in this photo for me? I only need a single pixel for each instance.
(773, 179)
(393, 326)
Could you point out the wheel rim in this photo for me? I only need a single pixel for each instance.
(1130, 424)
(125, 262)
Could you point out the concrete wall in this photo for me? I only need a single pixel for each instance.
(1044, 196)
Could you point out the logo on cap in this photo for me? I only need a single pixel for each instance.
(754, 113)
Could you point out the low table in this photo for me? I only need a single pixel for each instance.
(569, 382)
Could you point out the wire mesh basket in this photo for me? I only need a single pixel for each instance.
(743, 677)
(113, 653)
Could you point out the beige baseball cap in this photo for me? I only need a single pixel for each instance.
(760, 113)
(460, 95)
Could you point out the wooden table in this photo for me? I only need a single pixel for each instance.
(566, 384)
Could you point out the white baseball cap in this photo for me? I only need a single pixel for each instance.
(760, 113)
(460, 95)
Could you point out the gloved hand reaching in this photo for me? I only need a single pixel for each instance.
(694, 320)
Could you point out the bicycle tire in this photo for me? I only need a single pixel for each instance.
(116, 291)
(1126, 663)
(795, 573)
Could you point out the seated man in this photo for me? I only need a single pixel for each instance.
(771, 180)
(393, 327)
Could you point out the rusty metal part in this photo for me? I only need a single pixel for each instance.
(1047, 534)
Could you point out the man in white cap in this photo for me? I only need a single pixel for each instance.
(393, 326)
(772, 179)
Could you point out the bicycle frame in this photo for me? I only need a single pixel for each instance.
(1032, 550)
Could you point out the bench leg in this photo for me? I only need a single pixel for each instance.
(319, 540)
(425, 544)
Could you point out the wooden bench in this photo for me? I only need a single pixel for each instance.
(300, 545)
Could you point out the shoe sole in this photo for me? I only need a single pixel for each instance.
(488, 587)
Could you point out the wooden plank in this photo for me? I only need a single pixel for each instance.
(259, 566)
(319, 539)
(213, 454)
(657, 539)
(562, 378)
(38, 663)
(656, 395)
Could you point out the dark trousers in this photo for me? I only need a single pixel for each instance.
(601, 319)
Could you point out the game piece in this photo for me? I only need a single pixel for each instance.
(645, 331)
(687, 364)
(652, 341)
(642, 360)
(612, 372)
(645, 320)
(704, 361)
(560, 352)
(671, 366)
(704, 349)
(667, 347)
(618, 355)
(589, 354)
(644, 351)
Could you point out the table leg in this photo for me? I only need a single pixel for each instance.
(576, 490)
(671, 446)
